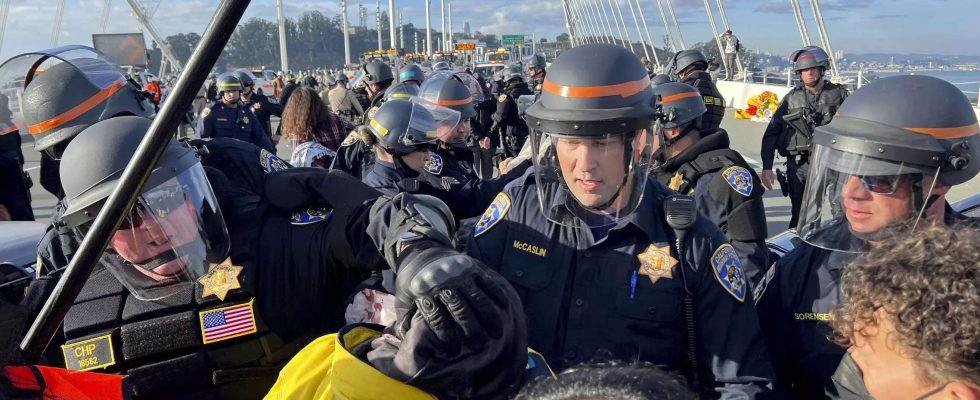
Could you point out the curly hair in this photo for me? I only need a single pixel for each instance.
(303, 113)
(928, 284)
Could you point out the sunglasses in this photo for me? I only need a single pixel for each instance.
(881, 184)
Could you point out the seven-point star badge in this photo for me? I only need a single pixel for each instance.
(220, 279)
(657, 263)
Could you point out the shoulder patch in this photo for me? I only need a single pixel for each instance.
(271, 163)
(257, 106)
(311, 215)
(433, 164)
(537, 87)
(740, 179)
(349, 140)
(496, 212)
(728, 271)
(205, 112)
(502, 98)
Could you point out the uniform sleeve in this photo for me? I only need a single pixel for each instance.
(259, 137)
(472, 196)
(775, 315)
(503, 110)
(770, 138)
(205, 124)
(741, 218)
(487, 242)
(272, 109)
(731, 353)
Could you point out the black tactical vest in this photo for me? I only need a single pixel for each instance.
(814, 113)
(183, 346)
(713, 99)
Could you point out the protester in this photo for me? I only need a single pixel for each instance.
(306, 117)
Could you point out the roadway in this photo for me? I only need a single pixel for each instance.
(746, 138)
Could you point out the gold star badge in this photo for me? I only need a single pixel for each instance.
(676, 181)
(657, 263)
(245, 120)
(220, 279)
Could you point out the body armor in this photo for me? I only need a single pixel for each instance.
(814, 112)
(713, 99)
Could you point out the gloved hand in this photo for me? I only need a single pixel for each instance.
(295, 189)
(461, 331)
(397, 221)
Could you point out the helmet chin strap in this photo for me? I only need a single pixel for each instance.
(195, 246)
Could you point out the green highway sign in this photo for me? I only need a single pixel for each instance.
(512, 40)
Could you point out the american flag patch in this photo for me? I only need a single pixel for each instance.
(227, 322)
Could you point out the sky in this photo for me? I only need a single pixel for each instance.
(854, 26)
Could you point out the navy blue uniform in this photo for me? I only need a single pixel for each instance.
(264, 109)
(728, 192)
(221, 121)
(795, 300)
(513, 128)
(354, 157)
(622, 295)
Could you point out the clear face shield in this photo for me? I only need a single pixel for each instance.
(852, 199)
(590, 180)
(18, 72)
(174, 232)
(445, 122)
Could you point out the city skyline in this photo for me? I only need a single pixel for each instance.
(854, 26)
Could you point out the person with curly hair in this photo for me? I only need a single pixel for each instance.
(909, 317)
(609, 381)
(313, 131)
(880, 169)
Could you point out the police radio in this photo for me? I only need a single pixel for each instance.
(681, 212)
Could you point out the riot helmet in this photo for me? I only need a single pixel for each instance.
(661, 79)
(684, 59)
(377, 72)
(404, 90)
(174, 232)
(534, 61)
(445, 89)
(309, 81)
(229, 82)
(245, 77)
(402, 126)
(512, 72)
(290, 78)
(590, 136)
(894, 147)
(681, 107)
(56, 93)
(441, 66)
(411, 73)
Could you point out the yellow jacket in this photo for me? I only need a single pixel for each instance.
(326, 370)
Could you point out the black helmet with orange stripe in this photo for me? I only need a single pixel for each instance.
(905, 136)
(56, 93)
(590, 135)
(680, 107)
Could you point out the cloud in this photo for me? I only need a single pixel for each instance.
(889, 16)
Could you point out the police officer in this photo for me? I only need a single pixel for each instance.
(288, 89)
(232, 118)
(511, 128)
(446, 89)
(261, 106)
(15, 184)
(811, 104)
(411, 73)
(212, 90)
(690, 67)
(881, 167)
(70, 83)
(184, 301)
(441, 66)
(695, 160)
(377, 78)
(535, 64)
(586, 242)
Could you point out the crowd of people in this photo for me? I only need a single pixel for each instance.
(564, 231)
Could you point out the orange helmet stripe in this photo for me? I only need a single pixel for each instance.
(76, 111)
(675, 97)
(949, 133)
(625, 89)
(462, 102)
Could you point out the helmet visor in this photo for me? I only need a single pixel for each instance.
(169, 239)
(590, 180)
(446, 123)
(17, 73)
(851, 199)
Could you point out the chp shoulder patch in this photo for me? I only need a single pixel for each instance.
(271, 163)
(205, 112)
(496, 212)
(312, 215)
(740, 179)
(89, 354)
(502, 98)
(728, 270)
(257, 106)
(349, 140)
(433, 164)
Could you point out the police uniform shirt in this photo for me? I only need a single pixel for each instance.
(264, 109)
(354, 157)
(623, 294)
(220, 120)
(776, 134)
(387, 177)
(728, 192)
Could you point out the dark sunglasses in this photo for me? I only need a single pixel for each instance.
(881, 184)
(163, 203)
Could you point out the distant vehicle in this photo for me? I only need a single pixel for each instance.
(487, 71)
(501, 56)
(18, 255)
(263, 80)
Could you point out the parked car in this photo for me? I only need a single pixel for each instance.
(18, 255)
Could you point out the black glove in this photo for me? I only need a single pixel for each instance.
(398, 221)
(461, 330)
